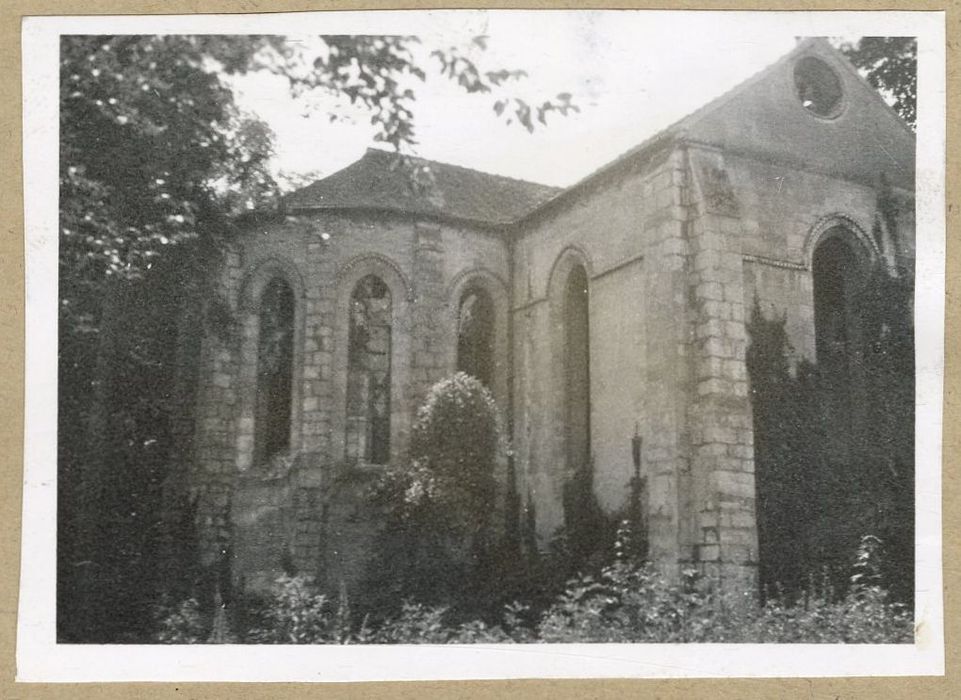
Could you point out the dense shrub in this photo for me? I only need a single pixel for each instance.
(439, 507)
(455, 440)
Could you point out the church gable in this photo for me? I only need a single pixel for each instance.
(810, 110)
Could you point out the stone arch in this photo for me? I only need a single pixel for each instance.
(841, 225)
(569, 257)
(495, 288)
(375, 264)
(348, 277)
(475, 275)
(261, 275)
(252, 290)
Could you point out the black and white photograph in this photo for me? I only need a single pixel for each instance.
(482, 330)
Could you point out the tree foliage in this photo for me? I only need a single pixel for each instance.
(152, 140)
(890, 64)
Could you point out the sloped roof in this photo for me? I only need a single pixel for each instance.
(379, 181)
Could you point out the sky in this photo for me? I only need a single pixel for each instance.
(631, 74)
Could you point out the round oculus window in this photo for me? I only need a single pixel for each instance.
(818, 87)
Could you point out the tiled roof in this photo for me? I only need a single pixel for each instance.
(380, 181)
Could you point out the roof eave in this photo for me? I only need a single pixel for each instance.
(438, 217)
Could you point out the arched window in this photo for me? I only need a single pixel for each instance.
(275, 352)
(368, 372)
(837, 327)
(577, 370)
(475, 335)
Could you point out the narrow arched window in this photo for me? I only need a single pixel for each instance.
(577, 370)
(275, 351)
(837, 327)
(475, 335)
(368, 372)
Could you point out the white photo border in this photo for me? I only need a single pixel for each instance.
(41, 659)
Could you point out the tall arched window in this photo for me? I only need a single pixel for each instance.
(837, 327)
(275, 353)
(368, 372)
(475, 335)
(577, 370)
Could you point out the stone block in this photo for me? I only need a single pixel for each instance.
(735, 370)
(708, 552)
(713, 386)
(712, 291)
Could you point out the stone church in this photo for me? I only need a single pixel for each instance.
(604, 316)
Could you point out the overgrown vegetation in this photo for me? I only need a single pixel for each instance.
(626, 601)
(442, 573)
(822, 484)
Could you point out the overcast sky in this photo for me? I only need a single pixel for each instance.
(631, 74)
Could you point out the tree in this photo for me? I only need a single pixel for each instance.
(158, 167)
(890, 64)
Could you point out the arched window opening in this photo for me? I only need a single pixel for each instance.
(577, 371)
(368, 372)
(475, 335)
(837, 324)
(275, 353)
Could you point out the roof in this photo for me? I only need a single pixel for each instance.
(381, 181)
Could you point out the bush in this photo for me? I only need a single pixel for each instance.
(439, 507)
(455, 438)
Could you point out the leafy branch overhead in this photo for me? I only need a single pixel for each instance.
(890, 64)
(155, 149)
(465, 72)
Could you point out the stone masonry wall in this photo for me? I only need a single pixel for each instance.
(677, 244)
(722, 489)
(629, 234)
(212, 476)
(305, 511)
